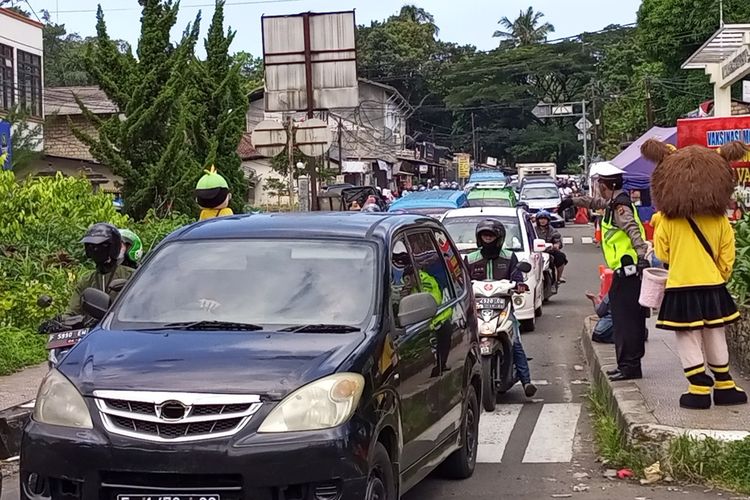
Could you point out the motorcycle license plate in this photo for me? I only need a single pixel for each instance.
(490, 303)
(485, 349)
(167, 496)
(65, 339)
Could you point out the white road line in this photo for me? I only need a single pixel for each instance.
(540, 382)
(554, 432)
(567, 240)
(587, 240)
(494, 432)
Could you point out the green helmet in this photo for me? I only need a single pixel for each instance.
(134, 244)
(212, 189)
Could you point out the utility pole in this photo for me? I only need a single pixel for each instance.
(474, 140)
(290, 159)
(585, 140)
(341, 151)
(649, 105)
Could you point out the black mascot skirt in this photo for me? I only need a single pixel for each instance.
(696, 308)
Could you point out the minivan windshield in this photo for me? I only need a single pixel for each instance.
(463, 230)
(539, 193)
(271, 283)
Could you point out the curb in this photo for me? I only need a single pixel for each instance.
(633, 415)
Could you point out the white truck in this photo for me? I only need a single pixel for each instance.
(535, 170)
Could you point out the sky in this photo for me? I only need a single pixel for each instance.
(463, 21)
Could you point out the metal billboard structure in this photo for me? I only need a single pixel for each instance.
(310, 62)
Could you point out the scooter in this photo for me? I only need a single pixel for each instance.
(497, 333)
(549, 274)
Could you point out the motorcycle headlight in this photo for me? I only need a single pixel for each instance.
(323, 404)
(487, 329)
(59, 403)
(518, 300)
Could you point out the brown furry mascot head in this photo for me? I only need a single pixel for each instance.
(693, 180)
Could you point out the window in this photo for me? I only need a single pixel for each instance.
(30, 83)
(403, 280)
(431, 267)
(539, 193)
(7, 96)
(531, 230)
(452, 261)
(464, 230)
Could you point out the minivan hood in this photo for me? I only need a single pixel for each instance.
(543, 203)
(265, 363)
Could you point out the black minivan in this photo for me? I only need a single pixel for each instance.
(268, 357)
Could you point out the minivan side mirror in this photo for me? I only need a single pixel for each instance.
(117, 285)
(524, 267)
(540, 245)
(416, 308)
(95, 303)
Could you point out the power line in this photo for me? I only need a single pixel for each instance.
(190, 6)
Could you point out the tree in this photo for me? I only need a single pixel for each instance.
(251, 70)
(525, 29)
(277, 187)
(418, 15)
(26, 139)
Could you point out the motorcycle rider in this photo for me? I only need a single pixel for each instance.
(491, 261)
(545, 231)
(133, 248)
(104, 245)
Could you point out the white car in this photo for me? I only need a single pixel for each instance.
(520, 236)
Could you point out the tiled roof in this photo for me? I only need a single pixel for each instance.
(245, 148)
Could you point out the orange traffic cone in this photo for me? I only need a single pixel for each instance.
(597, 231)
(582, 216)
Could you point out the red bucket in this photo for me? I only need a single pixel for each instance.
(605, 278)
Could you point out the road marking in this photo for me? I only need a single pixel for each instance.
(494, 432)
(554, 432)
(587, 240)
(540, 382)
(567, 240)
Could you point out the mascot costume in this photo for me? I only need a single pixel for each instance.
(213, 196)
(691, 188)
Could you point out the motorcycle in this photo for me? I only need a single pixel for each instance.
(65, 331)
(497, 333)
(549, 274)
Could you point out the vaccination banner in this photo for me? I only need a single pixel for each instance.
(6, 149)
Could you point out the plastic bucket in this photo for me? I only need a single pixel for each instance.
(652, 287)
(605, 280)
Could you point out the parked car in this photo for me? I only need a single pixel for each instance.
(486, 176)
(340, 198)
(295, 356)
(520, 237)
(542, 196)
(492, 195)
(434, 202)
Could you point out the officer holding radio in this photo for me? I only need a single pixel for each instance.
(624, 246)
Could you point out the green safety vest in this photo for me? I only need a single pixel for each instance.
(616, 243)
(431, 286)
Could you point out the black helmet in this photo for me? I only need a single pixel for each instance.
(103, 243)
(492, 226)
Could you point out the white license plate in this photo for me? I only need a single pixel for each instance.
(485, 349)
(170, 496)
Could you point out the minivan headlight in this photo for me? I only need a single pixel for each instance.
(322, 404)
(59, 403)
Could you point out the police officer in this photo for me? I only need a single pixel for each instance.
(625, 249)
(104, 246)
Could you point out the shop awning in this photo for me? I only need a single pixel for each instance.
(637, 168)
(723, 44)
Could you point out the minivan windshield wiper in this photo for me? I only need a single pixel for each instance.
(207, 325)
(320, 328)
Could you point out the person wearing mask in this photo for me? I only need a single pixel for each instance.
(545, 231)
(624, 247)
(104, 246)
(492, 262)
(603, 331)
(696, 242)
(133, 248)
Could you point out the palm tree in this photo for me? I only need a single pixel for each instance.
(418, 15)
(525, 29)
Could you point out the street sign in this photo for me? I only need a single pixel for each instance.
(583, 124)
(310, 61)
(580, 137)
(269, 138)
(313, 137)
(492, 161)
(464, 166)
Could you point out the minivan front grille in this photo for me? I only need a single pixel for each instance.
(174, 417)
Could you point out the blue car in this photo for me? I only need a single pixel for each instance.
(433, 203)
(488, 176)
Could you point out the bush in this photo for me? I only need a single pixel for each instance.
(41, 223)
(739, 285)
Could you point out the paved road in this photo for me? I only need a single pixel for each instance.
(531, 450)
(539, 449)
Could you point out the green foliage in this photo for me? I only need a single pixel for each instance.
(739, 284)
(27, 138)
(277, 187)
(181, 115)
(41, 223)
(525, 29)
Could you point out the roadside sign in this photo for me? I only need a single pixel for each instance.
(464, 166)
(313, 137)
(583, 124)
(269, 138)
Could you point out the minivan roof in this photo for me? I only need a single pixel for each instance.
(323, 225)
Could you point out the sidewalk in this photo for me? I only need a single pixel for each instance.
(648, 409)
(21, 387)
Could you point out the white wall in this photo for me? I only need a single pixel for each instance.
(263, 171)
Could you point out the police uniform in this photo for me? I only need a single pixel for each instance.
(624, 246)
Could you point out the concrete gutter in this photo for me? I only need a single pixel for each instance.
(633, 413)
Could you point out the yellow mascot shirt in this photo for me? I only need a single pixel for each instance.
(210, 213)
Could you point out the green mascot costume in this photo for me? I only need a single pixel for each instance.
(213, 196)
